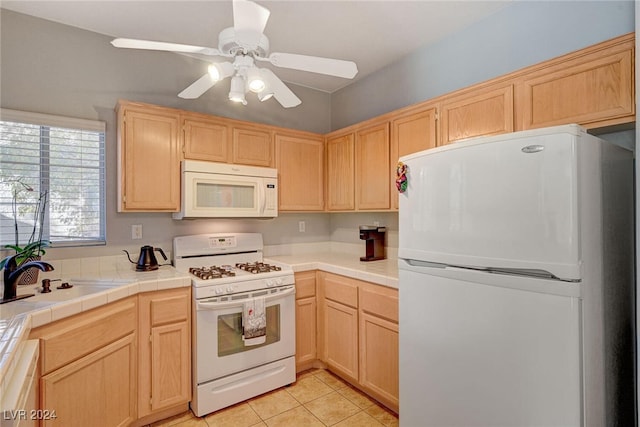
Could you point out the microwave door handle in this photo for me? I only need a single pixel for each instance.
(217, 305)
(263, 196)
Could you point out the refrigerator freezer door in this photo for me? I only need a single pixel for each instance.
(480, 355)
(507, 202)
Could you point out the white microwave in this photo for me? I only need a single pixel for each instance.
(222, 190)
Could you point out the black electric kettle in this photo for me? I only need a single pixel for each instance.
(147, 260)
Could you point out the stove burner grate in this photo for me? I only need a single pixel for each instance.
(212, 272)
(257, 267)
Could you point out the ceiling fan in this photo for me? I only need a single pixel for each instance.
(246, 44)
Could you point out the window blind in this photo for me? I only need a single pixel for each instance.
(57, 163)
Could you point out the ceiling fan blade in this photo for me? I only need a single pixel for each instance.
(248, 15)
(281, 92)
(168, 47)
(198, 87)
(314, 64)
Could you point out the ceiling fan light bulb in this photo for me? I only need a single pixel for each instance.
(214, 72)
(236, 94)
(255, 82)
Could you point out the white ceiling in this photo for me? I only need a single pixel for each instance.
(373, 34)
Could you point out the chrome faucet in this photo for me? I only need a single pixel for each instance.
(12, 273)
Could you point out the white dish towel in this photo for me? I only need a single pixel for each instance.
(254, 321)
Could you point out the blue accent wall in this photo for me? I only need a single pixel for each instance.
(521, 34)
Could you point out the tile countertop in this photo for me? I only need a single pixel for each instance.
(383, 272)
(101, 284)
(108, 279)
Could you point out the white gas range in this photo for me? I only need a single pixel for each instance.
(243, 318)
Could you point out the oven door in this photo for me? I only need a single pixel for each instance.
(219, 346)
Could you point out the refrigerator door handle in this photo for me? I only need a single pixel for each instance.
(520, 272)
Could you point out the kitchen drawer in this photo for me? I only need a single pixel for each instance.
(341, 289)
(169, 307)
(379, 301)
(305, 284)
(70, 339)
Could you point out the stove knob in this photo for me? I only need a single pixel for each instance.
(278, 281)
(230, 288)
(269, 283)
(219, 291)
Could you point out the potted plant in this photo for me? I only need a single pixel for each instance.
(33, 248)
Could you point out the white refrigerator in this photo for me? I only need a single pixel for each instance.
(516, 282)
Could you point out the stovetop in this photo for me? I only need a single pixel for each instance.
(216, 272)
(223, 264)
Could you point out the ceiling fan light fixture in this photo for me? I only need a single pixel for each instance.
(220, 70)
(255, 82)
(236, 94)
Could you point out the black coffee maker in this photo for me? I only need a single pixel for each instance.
(374, 241)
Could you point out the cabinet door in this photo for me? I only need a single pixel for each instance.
(340, 172)
(206, 139)
(341, 338)
(300, 164)
(306, 315)
(170, 365)
(372, 168)
(149, 161)
(378, 314)
(306, 309)
(594, 91)
(338, 324)
(252, 147)
(482, 112)
(410, 133)
(165, 350)
(96, 390)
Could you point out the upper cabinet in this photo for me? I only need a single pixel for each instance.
(252, 145)
(411, 131)
(206, 138)
(372, 175)
(300, 164)
(478, 112)
(340, 172)
(148, 158)
(594, 88)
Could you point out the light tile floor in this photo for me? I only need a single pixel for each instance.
(317, 398)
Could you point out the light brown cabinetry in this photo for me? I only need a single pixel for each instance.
(338, 328)
(593, 89)
(372, 175)
(358, 334)
(252, 145)
(148, 158)
(300, 164)
(165, 349)
(205, 138)
(340, 172)
(411, 131)
(88, 364)
(378, 312)
(479, 112)
(306, 318)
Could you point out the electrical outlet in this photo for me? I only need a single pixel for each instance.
(301, 226)
(136, 231)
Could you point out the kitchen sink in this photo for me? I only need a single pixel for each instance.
(79, 288)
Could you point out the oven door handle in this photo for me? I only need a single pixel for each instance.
(217, 305)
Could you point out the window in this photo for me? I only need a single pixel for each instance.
(56, 163)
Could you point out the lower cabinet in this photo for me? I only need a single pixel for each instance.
(125, 363)
(306, 326)
(89, 367)
(358, 334)
(165, 350)
(378, 312)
